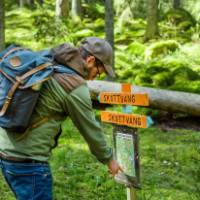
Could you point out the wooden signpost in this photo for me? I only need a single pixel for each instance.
(124, 98)
(125, 135)
(137, 121)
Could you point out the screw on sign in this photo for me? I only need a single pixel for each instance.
(125, 135)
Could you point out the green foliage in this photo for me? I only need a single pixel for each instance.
(154, 68)
(179, 15)
(130, 28)
(143, 79)
(178, 24)
(83, 33)
(191, 52)
(91, 8)
(172, 63)
(185, 73)
(186, 86)
(48, 28)
(136, 8)
(166, 158)
(136, 48)
(163, 79)
(194, 7)
(162, 47)
(167, 62)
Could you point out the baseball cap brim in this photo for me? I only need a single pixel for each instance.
(109, 70)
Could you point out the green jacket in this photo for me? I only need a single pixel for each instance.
(56, 102)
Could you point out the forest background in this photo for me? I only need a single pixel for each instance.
(156, 45)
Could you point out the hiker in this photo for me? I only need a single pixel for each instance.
(24, 158)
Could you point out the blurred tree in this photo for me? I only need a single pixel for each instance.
(40, 2)
(29, 3)
(152, 19)
(176, 4)
(137, 8)
(2, 25)
(109, 23)
(21, 3)
(76, 9)
(62, 8)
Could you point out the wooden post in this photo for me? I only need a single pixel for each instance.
(131, 193)
(123, 136)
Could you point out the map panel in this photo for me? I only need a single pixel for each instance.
(125, 153)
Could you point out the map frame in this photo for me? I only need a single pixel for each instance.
(123, 178)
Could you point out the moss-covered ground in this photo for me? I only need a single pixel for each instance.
(170, 160)
(169, 167)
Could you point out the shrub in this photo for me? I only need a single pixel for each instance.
(159, 48)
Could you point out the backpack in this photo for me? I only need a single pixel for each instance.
(21, 71)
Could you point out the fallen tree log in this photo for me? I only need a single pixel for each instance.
(172, 101)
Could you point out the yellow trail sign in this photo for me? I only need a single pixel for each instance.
(137, 99)
(133, 120)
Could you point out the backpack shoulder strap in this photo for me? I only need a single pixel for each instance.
(19, 80)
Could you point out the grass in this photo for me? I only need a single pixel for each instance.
(169, 160)
(169, 168)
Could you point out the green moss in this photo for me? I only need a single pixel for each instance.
(137, 24)
(126, 73)
(83, 33)
(186, 86)
(123, 39)
(136, 48)
(185, 25)
(185, 73)
(177, 16)
(174, 62)
(152, 70)
(138, 33)
(142, 79)
(159, 48)
(163, 79)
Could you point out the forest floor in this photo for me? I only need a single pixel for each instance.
(169, 150)
(170, 122)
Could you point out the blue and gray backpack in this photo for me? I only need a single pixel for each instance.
(21, 70)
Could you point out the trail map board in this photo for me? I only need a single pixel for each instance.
(127, 154)
(125, 135)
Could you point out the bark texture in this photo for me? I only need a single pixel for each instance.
(109, 23)
(167, 100)
(152, 19)
(62, 8)
(76, 9)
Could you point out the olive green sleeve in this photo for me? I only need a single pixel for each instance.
(79, 108)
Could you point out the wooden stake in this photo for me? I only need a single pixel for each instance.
(131, 193)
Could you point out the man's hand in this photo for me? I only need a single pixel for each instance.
(114, 167)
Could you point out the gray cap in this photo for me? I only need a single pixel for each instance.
(102, 50)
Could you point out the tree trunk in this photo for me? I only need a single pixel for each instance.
(62, 8)
(152, 19)
(176, 4)
(109, 24)
(167, 100)
(30, 3)
(76, 9)
(40, 2)
(2, 25)
(21, 3)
